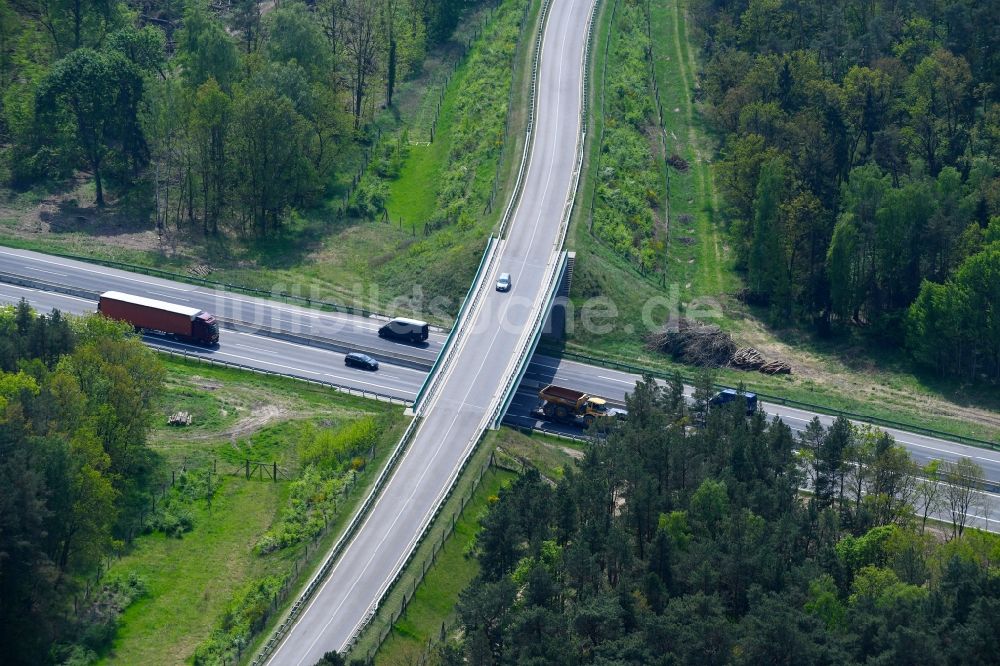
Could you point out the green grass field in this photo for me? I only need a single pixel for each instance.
(190, 580)
(236, 415)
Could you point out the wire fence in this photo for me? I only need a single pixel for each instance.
(145, 521)
(655, 87)
(339, 547)
(411, 575)
(505, 139)
(603, 115)
(498, 460)
(300, 564)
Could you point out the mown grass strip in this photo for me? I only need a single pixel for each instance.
(433, 604)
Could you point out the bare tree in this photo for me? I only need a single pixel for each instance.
(360, 43)
(929, 492)
(892, 481)
(963, 482)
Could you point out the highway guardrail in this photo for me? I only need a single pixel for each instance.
(445, 357)
(552, 286)
(785, 402)
(332, 344)
(340, 388)
(311, 303)
(339, 547)
(470, 297)
(527, 351)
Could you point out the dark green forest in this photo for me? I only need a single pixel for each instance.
(76, 402)
(226, 115)
(669, 544)
(861, 166)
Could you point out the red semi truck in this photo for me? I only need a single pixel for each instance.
(180, 322)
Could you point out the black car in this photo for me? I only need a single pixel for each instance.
(359, 360)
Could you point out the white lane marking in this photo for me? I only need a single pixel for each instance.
(173, 296)
(401, 368)
(924, 446)
(333, 612)
(277, 365)
(42, 270)
(256, 349)
(359, 381)
(91, 270)
(355, 320)
(612, 379)
(53, 294)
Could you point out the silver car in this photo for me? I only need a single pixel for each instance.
(503, 282)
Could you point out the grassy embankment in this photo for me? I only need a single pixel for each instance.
(845, 374)
(416, 632)
(337, 257)
(194, 582)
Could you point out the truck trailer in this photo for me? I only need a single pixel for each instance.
(180, 322)
(566, 405)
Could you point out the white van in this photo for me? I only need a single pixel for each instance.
(402, 328)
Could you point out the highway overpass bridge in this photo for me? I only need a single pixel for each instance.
(475, 371)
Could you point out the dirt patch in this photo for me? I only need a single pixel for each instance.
(206, 384)
(575, 454)
(259, 416)
(72, 211)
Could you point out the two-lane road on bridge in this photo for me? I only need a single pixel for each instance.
(472, 379)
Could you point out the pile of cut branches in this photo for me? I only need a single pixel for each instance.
(693, 343)
(707, 345)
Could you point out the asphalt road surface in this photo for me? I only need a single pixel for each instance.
(279, 356)
(254, 351)
(351, 330)
(613, 385)
(462, 405)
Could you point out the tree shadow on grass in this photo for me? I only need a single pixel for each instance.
(861, 352)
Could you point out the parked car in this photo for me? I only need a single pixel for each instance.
(503, 282)
(359, 360)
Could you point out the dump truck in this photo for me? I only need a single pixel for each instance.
(180, 322)
(566, 405)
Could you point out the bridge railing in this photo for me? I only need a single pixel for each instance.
(521, 361)
(338, 548)
(472, 298)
